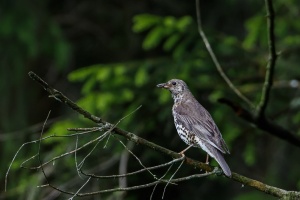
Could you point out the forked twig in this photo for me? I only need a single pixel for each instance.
(6, 175)
(39, 148)
(65, 154)
(134, 187)
(147, 169)
(134, 173)
(169, 181)
(102, 137)
(161, 178)
(98, 141)
(80, 188)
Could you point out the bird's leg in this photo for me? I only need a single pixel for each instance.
(207, 159)
(184, 150)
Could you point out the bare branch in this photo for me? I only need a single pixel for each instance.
(80, 188)
(75, 157)
(264, 123)
(133, 187)
(154, 176)
(163, 176)
(83, 129)
(6, 175)
(136, 172)
(67, 153)
(271, 62)
(62, 98)
(215, 60)
(172, 177)
(39, 149)
(277, 192)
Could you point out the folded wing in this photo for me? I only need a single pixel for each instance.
(201, 124)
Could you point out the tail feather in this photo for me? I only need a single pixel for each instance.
(217, 155)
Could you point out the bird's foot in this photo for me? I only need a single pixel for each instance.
(182, 154)
(207, 162)
(207, 159)
(218, 171)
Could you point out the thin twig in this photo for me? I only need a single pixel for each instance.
(215, 60)
(136, 172)
(12, 161)
(271, 61)
(83, 129)
(75, 155)
(147, 169)
(133, 187)
(39, 148)
(80, 188)
(35, 141)
(161, 178)
(65, 154)
(104, 135)
(98, 141)
(172, 178)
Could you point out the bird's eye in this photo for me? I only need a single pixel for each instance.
(173, 83)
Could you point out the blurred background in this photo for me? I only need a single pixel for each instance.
(108, 56)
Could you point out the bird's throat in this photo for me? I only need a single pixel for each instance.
(177, 97)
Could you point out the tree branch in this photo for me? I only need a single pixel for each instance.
(133, 173)
(132, 187)
(271, 62)
(215, 60)
(277, 192)
(262, 123)
(60, 97)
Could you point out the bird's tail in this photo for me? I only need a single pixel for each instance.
(217, 155)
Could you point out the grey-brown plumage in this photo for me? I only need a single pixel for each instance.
(194, 124)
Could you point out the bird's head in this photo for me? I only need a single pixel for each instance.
(175, 86)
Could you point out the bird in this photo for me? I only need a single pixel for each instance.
(195, 125)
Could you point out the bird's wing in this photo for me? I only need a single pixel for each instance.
(199, 121)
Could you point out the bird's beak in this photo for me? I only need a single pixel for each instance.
(163, 85)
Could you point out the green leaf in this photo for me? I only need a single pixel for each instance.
(83, 73)
(184, 22)
(171, 42)
(254, 27)
(169, 21)
(89, 101)
(144, 22)
(141, 77)
(89, 85)
(127, 94)
(103, 73)
(153, 38)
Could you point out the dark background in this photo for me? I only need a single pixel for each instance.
(108, 56)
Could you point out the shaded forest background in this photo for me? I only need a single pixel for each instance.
(108, 56)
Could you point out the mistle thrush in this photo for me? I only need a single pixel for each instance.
(194, 124)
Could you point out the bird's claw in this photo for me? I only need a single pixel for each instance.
(182, 154)
(217, 171)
